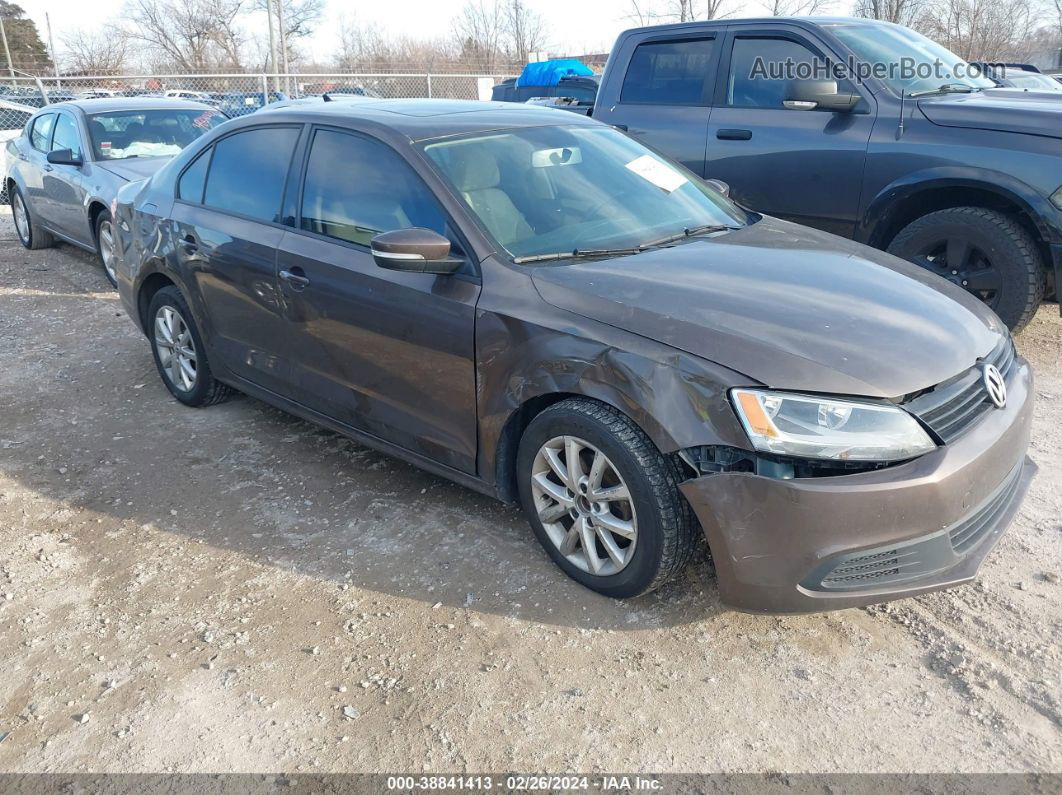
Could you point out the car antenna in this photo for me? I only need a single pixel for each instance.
(899, 131)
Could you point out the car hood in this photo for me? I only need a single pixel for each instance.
(788, 306)
(134, 168)
(1002, 109)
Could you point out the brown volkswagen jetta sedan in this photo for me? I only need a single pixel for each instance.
(537, 306)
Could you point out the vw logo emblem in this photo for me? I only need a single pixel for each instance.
(995, 386)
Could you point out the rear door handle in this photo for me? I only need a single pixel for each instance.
(296, 277)
(734, 135)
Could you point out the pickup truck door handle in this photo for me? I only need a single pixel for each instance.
(296, 277)
(734, 135)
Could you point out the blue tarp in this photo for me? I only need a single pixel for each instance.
(549, 73)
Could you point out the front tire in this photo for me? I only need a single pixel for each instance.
(180, 355)
(615, 521)
(30, 234)
(105, 246)
(985, 252)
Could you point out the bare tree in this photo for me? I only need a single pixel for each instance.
(480, 32)
(193, 35)
(650, 12)
(797, 8)
(525, 29)
(902, 12)
(96, 53)
(981, 30)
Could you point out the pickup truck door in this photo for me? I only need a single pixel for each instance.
(661, 92)
(801, 165)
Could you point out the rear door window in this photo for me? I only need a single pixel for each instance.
(41, 132)
(674, 72)
(248, 171)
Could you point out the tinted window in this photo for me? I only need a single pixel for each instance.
(193, 180)
(748, 85)
(66, 135)
(41, 133)
(668, 72)
(356, 188)
(248, 171)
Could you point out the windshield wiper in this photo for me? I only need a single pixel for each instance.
(692, 231)
(947, 88)
(580, 253)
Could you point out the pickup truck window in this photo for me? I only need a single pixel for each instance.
(748, 86)
(669, 72)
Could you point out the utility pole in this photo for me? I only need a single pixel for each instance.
(272, 48)
(7, 50)
(283, 45)
(51, 46)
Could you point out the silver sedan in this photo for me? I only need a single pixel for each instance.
(66, 166)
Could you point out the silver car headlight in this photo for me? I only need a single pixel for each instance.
(828, 428)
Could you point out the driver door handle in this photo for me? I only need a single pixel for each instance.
(296, 277)
(734, 135)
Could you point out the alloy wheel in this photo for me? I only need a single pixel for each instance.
(964, 264)
(107, 249)
(18, 210)
(584, 505)
(176, 348)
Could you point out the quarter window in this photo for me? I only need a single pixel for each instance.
(357, 188)
(248, 171)
(41, 133)
(669, 72)
(193, 180)
(66, 135)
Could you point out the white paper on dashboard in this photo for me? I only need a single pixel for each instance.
(660, 174)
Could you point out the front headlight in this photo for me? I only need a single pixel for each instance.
(828, 428)
(1056, 198)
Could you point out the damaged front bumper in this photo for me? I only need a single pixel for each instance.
(811, 544)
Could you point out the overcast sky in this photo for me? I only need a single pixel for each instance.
(574, 25)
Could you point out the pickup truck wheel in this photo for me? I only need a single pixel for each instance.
(602, 500)
(983, 251)
(29, 231)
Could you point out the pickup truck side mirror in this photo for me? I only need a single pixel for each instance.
(819, 95)
(414, 250)
(64, 157)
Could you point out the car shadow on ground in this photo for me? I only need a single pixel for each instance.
(98, 431)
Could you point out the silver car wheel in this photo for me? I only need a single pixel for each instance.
(176, 349)
(107, 249)
(584, 505)
(21, 218)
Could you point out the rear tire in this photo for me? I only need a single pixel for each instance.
(30, 234)
(636, 544)
(105, 244)
(180, 355)
(995, 258)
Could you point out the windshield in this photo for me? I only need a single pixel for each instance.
(546, 190)
(909, 61)
(148, 133)
(1033, 81)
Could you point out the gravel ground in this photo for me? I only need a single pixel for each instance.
(231, 589)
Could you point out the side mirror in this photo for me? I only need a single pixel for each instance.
(819, 95)
(720, 186)
(64, 157)
(413, 250)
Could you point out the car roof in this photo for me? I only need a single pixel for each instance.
(420, 119)
(803, 21)
(113, 104)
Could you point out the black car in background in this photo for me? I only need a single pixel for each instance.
(950, 172)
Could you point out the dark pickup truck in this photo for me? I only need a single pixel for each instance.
(938, 166)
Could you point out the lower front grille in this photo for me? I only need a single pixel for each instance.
(919, 557)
